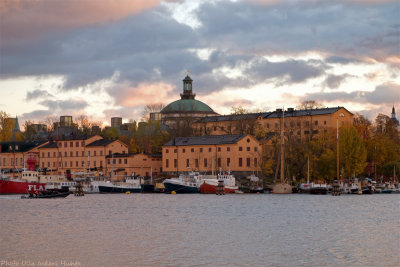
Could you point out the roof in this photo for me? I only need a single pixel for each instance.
(128, 155)
(22, 146)
(273, 114)
(101, 142)
(206, 140)
(187, 105)
(51, 144)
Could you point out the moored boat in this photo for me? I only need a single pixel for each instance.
(210, 185)
(318, 189)
(130, 185)
(183, 184)
(18, 186)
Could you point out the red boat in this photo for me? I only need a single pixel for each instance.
(16, 186)
(209, 186)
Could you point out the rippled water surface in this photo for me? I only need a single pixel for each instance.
(202, 230)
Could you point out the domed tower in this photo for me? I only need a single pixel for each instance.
(180, 114)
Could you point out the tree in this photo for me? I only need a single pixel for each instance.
(310, 104)
(149, 108)
(353, 154)
(6, 127)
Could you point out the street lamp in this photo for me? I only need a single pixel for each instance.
(337, 146)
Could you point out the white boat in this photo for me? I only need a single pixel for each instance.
(210, 185)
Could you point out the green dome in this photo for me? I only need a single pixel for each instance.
(187, 105)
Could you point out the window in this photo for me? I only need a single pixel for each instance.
(187, 163)
(83, 163)
(83, 153)
(240, 148)
(167, 163)
(248, 140)
(77, 164)
(248, 162)
(114, 161)
(306, 132)
(59, 144)
(119, 161)
(42, 154)
(101, 152)
(54, 154)
(166, 151)
(94, 152)
(70, 163)
(94, 163)
(108, 161)
(298, 132)
(175, 150)
(77, 143)
(65, 154)
(65, 164)
(71, 144)
(219, 149)
(77, 153)
(109, 152)
(48, 164)
(201, 149)
(215, 128)
(240, 162)
(228, 162)
(175, 163)
(59, 164)
(192, 150)
(83, 143)
(248, 148)
(255, 149)
(125, 161)
(315, 122)
(71, 154)
(219, 162)
(196, 162)
(267, 125)
(101, 163)
(183, 150)
(229, 128)
(228, 149)
(324, 122)
(307, 123)
(65, 144)
(222, 128)
(42, 164)
(209, 149)
(315, 131)
(205, 162)
(59, 154)
(255, 162)
(291, 124)
(276, 125)
(298, 124)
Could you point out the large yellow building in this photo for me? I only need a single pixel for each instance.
(297, 123)
(240, 154)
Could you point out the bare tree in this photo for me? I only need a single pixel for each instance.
(149, 108)
(310, 104)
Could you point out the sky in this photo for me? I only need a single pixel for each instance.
(109, 58)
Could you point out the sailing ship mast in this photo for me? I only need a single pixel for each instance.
(282, 145)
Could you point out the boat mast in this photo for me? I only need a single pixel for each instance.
(112, 166)
(308, 170)
(282, 144)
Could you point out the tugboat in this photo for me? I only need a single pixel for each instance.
(210, 185)
(130, 185)
(48, 194)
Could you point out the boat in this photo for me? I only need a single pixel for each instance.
(19, 186)
(318, 188)
(282, 187)
(159, 188)
(185, 183)
(130, 185)
(255, 186)
(209, 185)
(47, 194)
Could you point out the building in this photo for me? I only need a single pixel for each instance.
(135, 164)
(301, 124)
(116, 122)
(239, 153)
(13, 155)
(394, 119)
(76, 154)
(180, 114)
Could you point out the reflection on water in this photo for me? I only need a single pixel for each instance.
(187, 230)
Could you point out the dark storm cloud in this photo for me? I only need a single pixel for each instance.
(35, 94)
(383, 94)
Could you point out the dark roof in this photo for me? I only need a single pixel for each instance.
(273, 114)
(127, 155)
(101, 142)
(50, 145)
(22, 146)
(206, 140)
(72, 137)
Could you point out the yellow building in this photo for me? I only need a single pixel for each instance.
(239, 154)
(297, 123)
(138, 164)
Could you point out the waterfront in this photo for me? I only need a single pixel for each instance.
(203, 230)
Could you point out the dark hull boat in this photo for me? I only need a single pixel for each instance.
(119, 189)
(180, 188)
(48, 194)
(148, 188)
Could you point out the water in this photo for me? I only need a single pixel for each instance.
(201, 230)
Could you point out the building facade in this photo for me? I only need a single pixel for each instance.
(240, 154)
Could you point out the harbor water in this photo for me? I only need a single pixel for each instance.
(201, 230)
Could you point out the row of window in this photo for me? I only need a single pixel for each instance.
(71, 164)
(228, 149)
(205, 162)
(71, 154)
(71, 143)
(20, 160)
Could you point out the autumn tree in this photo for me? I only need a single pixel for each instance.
(6, 127)
(310, 104)
(353, 154)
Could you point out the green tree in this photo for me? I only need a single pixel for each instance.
(353, 154)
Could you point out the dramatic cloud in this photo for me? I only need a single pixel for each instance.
(35, 94)
(384, 94)
(65, 106)
(334, 81)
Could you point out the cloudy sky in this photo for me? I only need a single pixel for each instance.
(109, 58)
